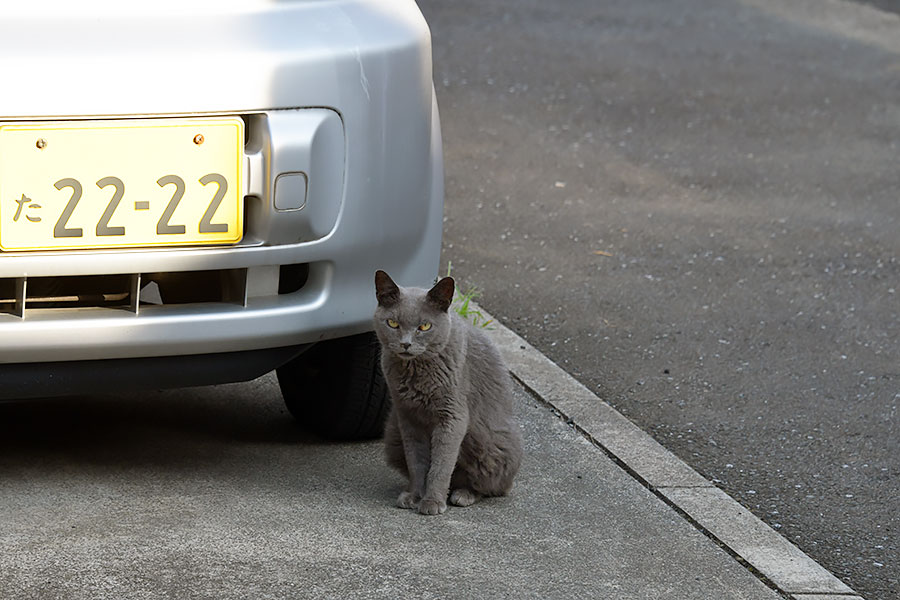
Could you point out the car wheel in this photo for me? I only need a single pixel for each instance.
(336, 388)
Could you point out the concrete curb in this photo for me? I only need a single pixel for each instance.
(770, 556)
(825, 597)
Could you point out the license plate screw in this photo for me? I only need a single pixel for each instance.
(41, 143)
(198, 139)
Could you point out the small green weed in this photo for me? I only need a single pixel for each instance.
(461, 301)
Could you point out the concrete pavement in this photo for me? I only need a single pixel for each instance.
(214, 493)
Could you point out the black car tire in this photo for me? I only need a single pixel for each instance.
(336, 388)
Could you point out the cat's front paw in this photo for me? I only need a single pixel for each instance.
(430, 506)
(407, 500)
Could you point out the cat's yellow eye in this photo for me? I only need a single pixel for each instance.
(424, 326)
(393, 324)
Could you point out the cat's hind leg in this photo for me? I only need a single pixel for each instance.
(490, 473)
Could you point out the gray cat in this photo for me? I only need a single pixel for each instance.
(451, 430)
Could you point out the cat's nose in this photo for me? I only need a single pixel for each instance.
(405, 345)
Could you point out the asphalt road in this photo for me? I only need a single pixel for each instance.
(694, 207)
(886, 5)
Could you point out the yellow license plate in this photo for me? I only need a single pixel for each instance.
(121, 183)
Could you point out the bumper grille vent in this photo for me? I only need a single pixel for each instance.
(131, 292)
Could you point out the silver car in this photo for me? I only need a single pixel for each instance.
(197, 193)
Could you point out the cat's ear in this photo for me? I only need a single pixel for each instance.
(386, 291)
(441, 295)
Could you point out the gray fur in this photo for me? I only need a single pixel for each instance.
(451, 429)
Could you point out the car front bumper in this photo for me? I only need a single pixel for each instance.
(362, 64)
